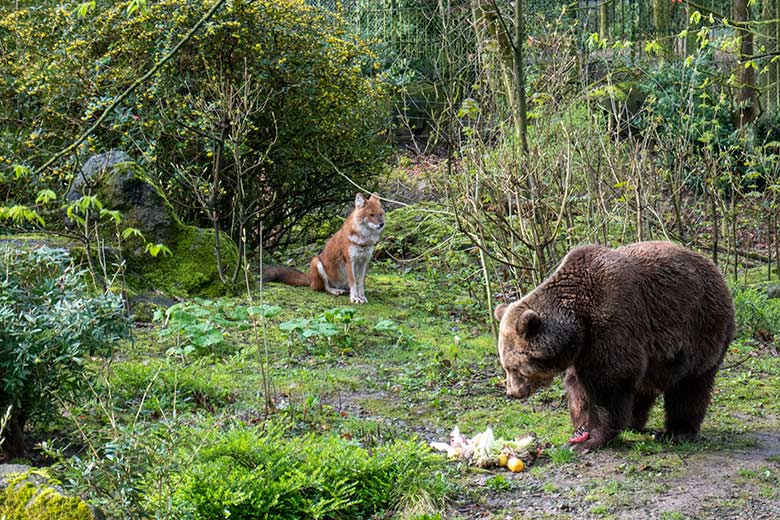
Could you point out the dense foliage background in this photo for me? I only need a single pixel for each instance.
(500, 134)
(244, 126)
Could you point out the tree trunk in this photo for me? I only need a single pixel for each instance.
(13, 437)
(519, 63)
(746, 96)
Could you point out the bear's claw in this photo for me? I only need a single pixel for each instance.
(580, 435)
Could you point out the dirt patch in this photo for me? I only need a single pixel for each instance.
(733, 473)
(615, 482)
(608, 484)
(722, 484)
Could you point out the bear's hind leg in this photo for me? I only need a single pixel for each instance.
(685, 404)
(643, 402)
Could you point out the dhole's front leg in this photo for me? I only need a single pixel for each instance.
(356, 272)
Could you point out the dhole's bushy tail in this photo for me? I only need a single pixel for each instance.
(278, 273)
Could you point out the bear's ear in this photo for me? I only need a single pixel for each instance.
(529, 323)
(499, 312)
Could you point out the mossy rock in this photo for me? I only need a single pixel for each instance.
(28, 495)
(191, 269)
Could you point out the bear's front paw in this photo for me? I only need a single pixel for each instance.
(584, 447)
(584, 441)
(579, 436)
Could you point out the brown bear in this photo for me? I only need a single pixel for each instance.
(627, 325)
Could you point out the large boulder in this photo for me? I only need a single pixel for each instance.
(191, 269)
(120, 184)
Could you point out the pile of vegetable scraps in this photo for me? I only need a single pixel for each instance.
(485, 451)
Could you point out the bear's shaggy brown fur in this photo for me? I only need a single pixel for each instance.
(627, 325)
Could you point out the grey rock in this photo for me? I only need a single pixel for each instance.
(10, 469)
(95, 167)
(120, 184)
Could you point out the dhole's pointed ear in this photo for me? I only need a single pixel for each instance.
(360, 201)
(529, 324)
(500, 310)
(375, 196)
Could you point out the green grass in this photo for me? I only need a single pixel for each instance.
(433, 367)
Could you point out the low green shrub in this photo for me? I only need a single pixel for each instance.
(336, 326)
(251, 474)
(50, 323)
(200, 326)
(427, 234)
(757, 316)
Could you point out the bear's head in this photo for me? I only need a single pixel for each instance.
(532, 350)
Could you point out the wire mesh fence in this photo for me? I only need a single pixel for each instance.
(433, 42)
(414, 27)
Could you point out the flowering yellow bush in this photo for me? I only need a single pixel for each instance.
(315, 87)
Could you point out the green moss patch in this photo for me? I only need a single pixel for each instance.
(25, 500)
(191, 269)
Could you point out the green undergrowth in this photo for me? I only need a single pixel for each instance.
(263, 474)
(350, 382)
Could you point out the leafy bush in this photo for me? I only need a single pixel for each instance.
(49, 324)
(267, 90)
(691, 113)
(686, 98)
(250, 474)
(129, 470)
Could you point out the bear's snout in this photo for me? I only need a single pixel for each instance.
(516, 387)
(518, 393)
